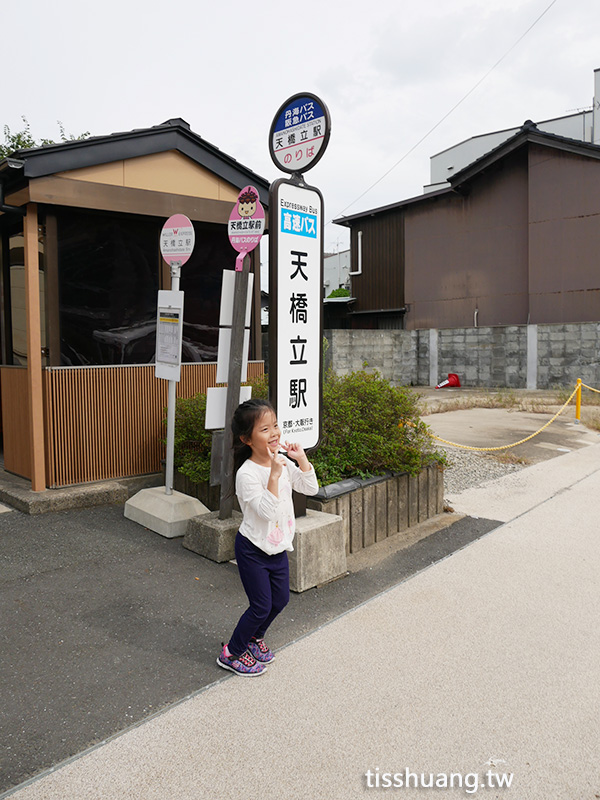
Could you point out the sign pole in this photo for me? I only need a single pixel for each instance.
(159, 509)
(177, 241)
(245, 229)
(298, 138)
(236, 353)
(171, 400)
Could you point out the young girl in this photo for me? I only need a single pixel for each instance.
(264, 483)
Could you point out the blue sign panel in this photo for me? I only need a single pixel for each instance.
(299, 133)
(298, 223)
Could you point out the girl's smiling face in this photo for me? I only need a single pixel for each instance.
(265, 434)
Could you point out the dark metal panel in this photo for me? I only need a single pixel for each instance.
(381, 284)
(466, 257)
(564, 236)
(522, 245)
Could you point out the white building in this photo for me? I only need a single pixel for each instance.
(583, 126)
(336, 268)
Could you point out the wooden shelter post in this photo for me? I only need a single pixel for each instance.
(34, 349)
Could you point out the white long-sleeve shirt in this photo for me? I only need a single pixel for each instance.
(269, 521)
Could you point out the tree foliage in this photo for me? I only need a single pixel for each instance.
(23, 139)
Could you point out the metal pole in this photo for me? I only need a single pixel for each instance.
(169, 467)
(578, 402)
(234, 381)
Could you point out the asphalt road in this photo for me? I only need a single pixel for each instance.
(103, 623)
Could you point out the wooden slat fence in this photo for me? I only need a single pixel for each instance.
(107, 422)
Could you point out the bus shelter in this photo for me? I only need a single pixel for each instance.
(80, 270)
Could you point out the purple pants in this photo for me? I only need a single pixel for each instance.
(266, 581)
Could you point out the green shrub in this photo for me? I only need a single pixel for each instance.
(368, 428)
(192, 441)
(260, 387)
(341, 292)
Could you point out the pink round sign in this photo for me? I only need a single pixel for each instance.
(246, 223)
(177, 240)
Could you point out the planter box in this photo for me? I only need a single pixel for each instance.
(376, 508)
(319, 555)
(342, 518)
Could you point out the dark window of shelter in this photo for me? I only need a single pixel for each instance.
(201, 279)
(108, 274)
(109, 278)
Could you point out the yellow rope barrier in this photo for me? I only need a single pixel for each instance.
(590, 388)
(521, 441)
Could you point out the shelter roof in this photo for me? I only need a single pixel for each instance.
(174, 134)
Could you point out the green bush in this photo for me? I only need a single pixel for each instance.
(341, 292)
(192, 441)
(260, 387)
(368, 428)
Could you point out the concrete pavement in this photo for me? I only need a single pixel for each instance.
(497, 427)
(103, 623)
(485, 664)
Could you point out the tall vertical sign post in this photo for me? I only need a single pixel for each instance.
(245, 229)
(162, 510)
(297, 140)
(177, 240)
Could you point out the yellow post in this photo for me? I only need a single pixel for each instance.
(578, 401)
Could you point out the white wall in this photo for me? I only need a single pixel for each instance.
(335, 271)
(583, 126)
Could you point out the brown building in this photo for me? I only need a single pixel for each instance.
(514, 239)
(80, 270)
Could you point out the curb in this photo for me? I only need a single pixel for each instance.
(114, 492)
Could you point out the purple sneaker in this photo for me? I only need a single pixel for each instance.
(261, 651)
(245, 665)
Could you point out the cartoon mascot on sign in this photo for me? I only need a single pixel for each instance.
(247, 204)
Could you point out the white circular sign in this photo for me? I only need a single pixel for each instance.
(177, 239)
(299, 133)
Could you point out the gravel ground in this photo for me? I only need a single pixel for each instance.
(467, 469)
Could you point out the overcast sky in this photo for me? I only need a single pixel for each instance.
(389, 70)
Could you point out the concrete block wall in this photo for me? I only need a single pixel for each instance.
(567, 352)
(513, 356)
(485, 356)
(393, 353)
(423, 357)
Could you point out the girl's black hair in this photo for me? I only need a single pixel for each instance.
(244, 419)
